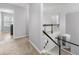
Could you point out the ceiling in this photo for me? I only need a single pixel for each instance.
(20, 4)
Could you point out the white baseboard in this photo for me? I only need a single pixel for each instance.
(20, 37)
(31, 43)
(35, 46)
(67, 51)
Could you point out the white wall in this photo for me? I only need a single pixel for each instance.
(28, 17)
(20, 22)
(48, 11)
(72, 20)
(20, 19)
(61, 10)
(0, 21)
(35, 25)
(37, 11)
(55, 9)
(37, 19)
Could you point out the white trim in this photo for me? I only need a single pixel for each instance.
(20, 37)
(67, 51)
(35, 46)
(44, 51)
(31, 43)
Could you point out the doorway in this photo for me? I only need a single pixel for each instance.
(7, 20)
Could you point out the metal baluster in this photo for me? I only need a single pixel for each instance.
(59, 45)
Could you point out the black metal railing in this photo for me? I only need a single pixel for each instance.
(59, 43)
(50, 38)
(51, 25)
